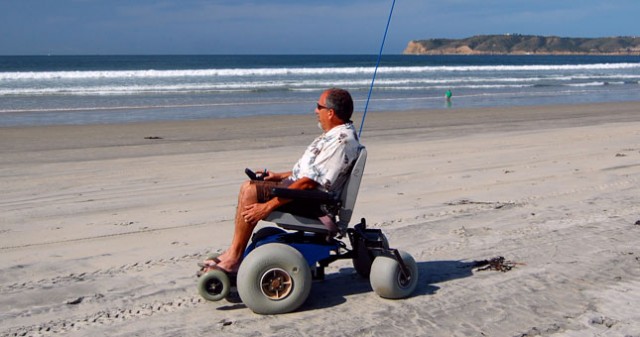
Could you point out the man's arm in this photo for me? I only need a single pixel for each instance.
(303, 183)
(258, 211)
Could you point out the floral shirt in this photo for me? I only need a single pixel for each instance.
(329, 158)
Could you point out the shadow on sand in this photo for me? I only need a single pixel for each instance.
(336, 287)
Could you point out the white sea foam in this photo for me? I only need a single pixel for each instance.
(261, 72)
(595, 84)
(104, 88)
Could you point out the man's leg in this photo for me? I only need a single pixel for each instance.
(230, 259)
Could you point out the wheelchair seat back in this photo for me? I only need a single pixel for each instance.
(350, 190)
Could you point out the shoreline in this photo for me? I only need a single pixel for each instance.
(223, 129)
(102, 225)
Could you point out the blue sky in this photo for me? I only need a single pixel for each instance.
(289, 26)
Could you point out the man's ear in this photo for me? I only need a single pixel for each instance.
(334, 117)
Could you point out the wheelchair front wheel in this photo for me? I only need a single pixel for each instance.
(387, 279)
(214, 285)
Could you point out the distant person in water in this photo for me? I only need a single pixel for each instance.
(447, 98)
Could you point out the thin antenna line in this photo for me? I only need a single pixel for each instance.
(366, 106)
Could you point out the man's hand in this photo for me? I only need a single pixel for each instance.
(256, 212)
(271, 176)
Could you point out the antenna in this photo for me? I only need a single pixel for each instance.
(366, 106)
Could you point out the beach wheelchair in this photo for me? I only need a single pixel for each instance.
(280, 263)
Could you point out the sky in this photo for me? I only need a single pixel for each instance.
(105, 27)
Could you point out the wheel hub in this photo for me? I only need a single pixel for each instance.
(276, 284)
(214, 286)
(403, 281)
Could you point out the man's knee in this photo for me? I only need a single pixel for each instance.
(248, 192)
(245, 185)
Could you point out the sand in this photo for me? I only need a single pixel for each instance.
(101, 226)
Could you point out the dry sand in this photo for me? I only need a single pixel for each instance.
(101, 227)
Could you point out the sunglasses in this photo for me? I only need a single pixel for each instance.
(321, 107)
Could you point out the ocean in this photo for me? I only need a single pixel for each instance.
(50, 90)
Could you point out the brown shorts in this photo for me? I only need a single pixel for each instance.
(265, 188)
(264, 191)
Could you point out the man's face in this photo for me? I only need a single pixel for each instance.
(322, 112)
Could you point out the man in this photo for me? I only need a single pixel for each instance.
(325, 165)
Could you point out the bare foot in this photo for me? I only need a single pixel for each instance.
(224, 262)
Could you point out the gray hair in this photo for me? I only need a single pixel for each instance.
(341, 102)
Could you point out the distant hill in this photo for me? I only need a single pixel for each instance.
(526, 44)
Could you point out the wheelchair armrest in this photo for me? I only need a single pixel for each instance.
(319, 197)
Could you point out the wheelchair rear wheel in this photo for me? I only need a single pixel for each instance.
(274, 279)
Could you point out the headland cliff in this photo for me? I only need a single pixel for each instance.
(526, 44)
